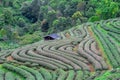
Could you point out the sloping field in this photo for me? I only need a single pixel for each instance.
(90, 51)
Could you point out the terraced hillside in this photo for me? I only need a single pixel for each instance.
(90, 51)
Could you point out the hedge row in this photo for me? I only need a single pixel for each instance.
(8, 75)
(115, 36)
(97, 58)
(109, 75)
(107, 45)
(22, 72)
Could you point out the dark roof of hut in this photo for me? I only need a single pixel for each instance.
(54, 36)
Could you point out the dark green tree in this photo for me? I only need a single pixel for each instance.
(61, 24)
(7, 16)
(44, 25)
(32, 11)
(107, 9)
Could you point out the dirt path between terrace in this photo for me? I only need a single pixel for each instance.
(67, 35)
(9, 58)
(100, 50)
(91, 67)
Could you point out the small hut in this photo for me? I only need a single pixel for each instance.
(52, 37)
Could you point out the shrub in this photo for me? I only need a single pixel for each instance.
(94, 18)
(30, 38)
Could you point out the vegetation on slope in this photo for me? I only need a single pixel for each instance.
(58, 59)
(78, 55)
(19, 18)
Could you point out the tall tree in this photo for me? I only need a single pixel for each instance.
(32, 11)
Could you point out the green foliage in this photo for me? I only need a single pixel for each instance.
(110, 75)
(7, 16)
(30, 38)
(61, 23)
(94, 18)
(8, 45)
(44, 25)
(2, 32)
(51, 15)
(107, 9)
(20, 17)
(79, 75)
(17, 4)
(18, 70)
(21, 22)
(71, 74)
(36, 73)
(9, 76)
(77, 15)
(7, 3)
(1, 20)
(61, 6)
(61, 74)
(46, 74)
(31, 11)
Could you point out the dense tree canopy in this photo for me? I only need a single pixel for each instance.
(25, 17)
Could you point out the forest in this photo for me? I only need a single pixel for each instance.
(27, 21)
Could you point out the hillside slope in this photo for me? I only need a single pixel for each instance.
(90, 51)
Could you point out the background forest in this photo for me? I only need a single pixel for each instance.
(27, 21)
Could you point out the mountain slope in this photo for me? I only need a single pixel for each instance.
(89, 51)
